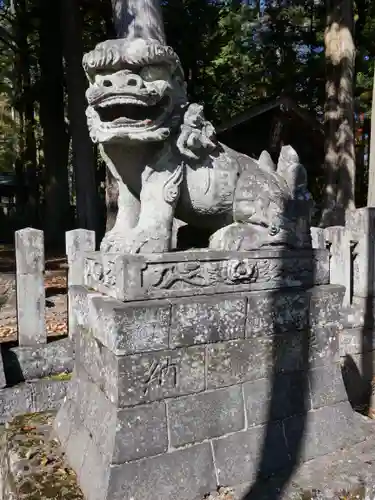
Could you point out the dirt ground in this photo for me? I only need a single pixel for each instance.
(56, 295)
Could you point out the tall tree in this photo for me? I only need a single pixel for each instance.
(339, 112)
(25, 105)
(138, 18)
(52, 119)
(84, 161)
(131, 18)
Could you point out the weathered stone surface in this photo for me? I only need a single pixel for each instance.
(133, 413)
(203, 321)
(16, 401)
(203, 416)
(360, 221)
(184, 474)
(62, 424)
(100, 419)
(267, 399)
(183, 274)
(254, 358)
(48, 394)
(30, 309)
(317, 237)
(346, 473)
(36, 396)
(326, 385)
(94, 473)
(275, 312)
(240, 456)
(361, 313)
(27, 363)
(77, 243)
(339, 239)
(78, 309)
(356, 341)
(137, 378)
(30, 286)
(153, 376)
(141, 432)
(128, 329)
(287, 310)
(325, 305)
(363, 272)
(324, 430)
(323, 344)
(25, 473)
(238, 361)
(29, 245)
(349, 471)
(76, 447)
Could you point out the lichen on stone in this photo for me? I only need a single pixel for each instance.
(59, 376)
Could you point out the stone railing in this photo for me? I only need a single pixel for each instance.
(352, 264)
(352, 253)
(30, 268)
(34, 374)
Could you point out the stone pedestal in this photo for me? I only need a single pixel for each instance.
(231, 368)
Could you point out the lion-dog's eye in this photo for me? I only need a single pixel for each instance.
(152, 73)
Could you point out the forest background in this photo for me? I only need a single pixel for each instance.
(235, 55)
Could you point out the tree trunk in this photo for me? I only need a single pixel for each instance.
(138, 19)
(371, 172)
(84, 160)
(339, 113)
(28, 154)
(52, 119)
(131, 18)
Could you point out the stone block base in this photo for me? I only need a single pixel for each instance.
(173, 397)
(34, 379)
(32, 467)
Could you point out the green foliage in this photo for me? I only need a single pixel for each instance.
(235, 54)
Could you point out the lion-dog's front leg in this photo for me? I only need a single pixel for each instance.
(159, 195)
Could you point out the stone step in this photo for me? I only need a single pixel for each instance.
(31, 397)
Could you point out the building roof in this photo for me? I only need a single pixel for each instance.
(284, 103)
(7, 180)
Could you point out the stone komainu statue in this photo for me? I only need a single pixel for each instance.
(168, 164)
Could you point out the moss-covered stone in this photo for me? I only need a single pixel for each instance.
(31, 465)
(59, 376)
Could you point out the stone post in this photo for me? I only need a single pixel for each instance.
(339, 239)
(361, 224)
(77, 242)
(30, 287)
(363, 267)
(317, 237)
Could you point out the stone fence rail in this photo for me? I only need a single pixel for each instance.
(352, 253)
(352, 256)
(30, 269)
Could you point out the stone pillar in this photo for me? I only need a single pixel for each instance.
(78, 242)
(317, 237)
(339, 240)
(30, 287)
(363, 266)
(173, 395)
